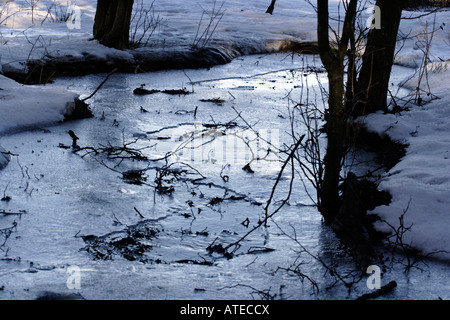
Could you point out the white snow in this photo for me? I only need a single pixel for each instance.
(421, 179)
(434, 79)
(243, 23)
(420, 182)
(25, 107)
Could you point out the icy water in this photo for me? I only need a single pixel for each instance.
(101, 228)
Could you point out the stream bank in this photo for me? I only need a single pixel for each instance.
(143, 60)
(355, 223)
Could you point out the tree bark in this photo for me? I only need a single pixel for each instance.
(378, 58)
(112, 23)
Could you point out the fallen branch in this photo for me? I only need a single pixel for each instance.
(8, 153)
(10, 213)
(7, 233)
(190, 261)
(140, 214)
(383, 290)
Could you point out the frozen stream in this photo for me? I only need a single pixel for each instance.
(76, 210)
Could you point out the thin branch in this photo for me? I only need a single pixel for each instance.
(101, 84)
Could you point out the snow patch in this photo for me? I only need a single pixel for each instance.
(420, 182)
(27, 107)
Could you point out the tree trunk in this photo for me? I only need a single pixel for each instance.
(271, 7)
(373, 81)
(112, 23)
(333, 60)
(335, 128)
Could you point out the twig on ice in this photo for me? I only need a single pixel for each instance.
(140, 214)
(101, 85)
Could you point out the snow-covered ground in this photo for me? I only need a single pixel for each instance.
(420, 182)
(25, 107)
(243, 24)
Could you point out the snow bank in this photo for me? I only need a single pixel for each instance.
(420, 182)
(244, 25)
(27, 107)
(24, 107)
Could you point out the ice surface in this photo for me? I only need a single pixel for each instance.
(56, 196)
(63, 198)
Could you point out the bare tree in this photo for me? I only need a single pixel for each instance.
(333, 61)
(366, 87)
